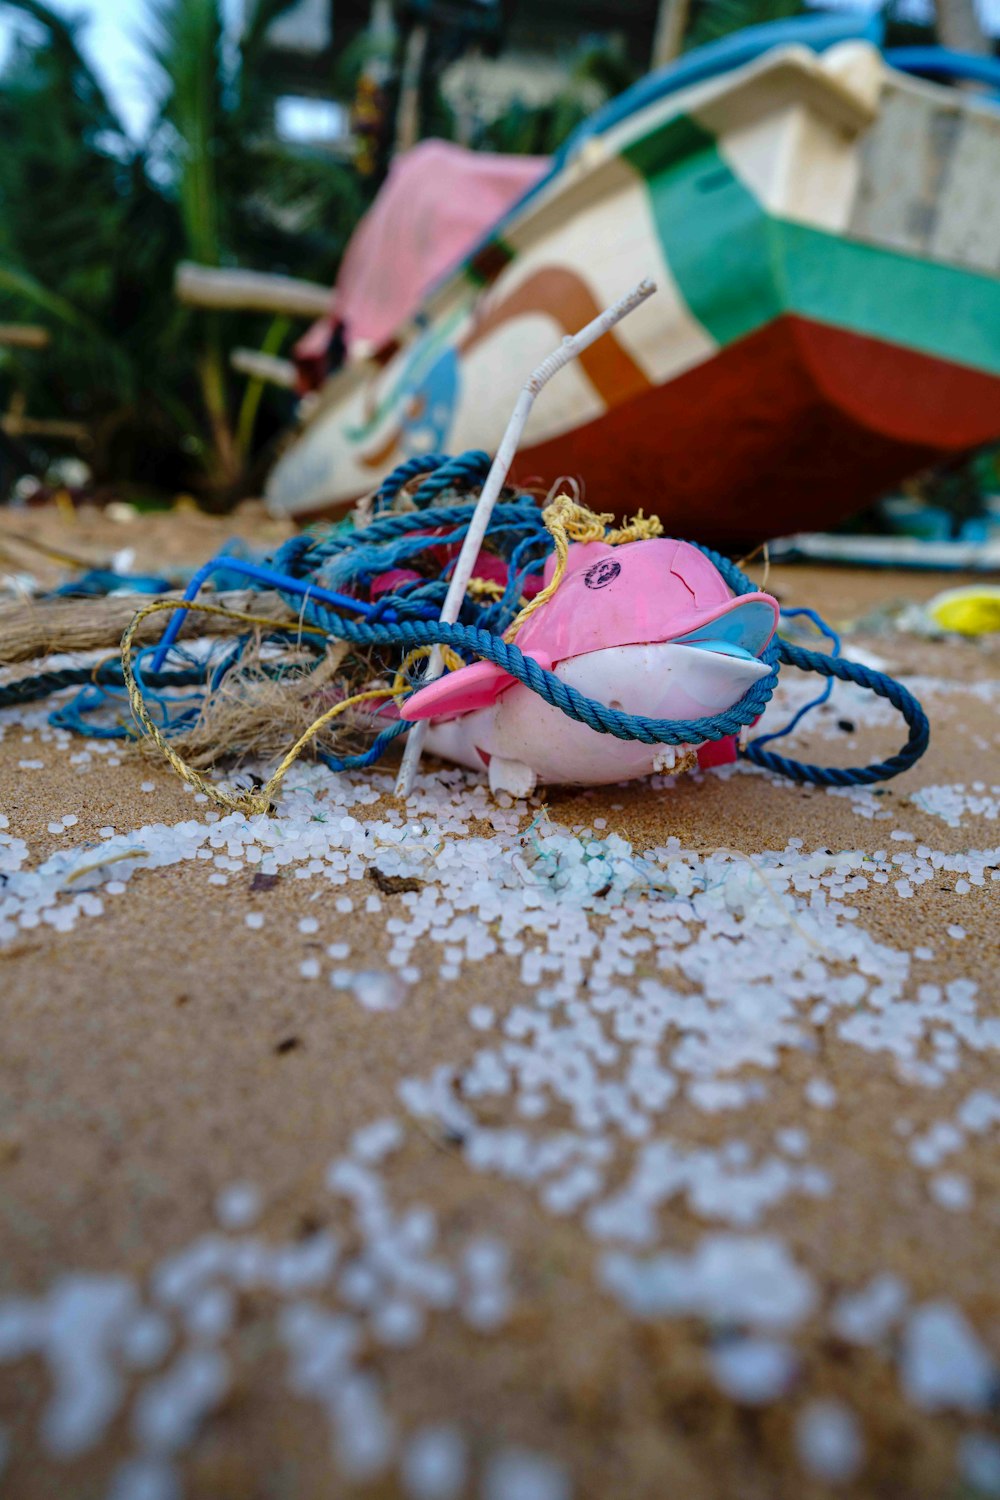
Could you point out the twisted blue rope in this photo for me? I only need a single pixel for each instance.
(796, 719)
(301, 555)
(454, 473)
(420, 463)
(109, 675)
(877, 682)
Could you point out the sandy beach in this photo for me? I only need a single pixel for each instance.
(369, 1149)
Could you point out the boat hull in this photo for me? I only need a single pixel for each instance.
(791, 427)
(827, 321)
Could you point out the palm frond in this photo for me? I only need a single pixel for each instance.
(186, 42)
(93, 225)
(85, 84)
(713, 19)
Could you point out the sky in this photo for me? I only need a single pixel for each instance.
(110, 42)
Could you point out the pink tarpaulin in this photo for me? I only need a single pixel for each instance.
(436, 202)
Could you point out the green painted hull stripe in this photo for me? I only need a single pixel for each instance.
(738, 267)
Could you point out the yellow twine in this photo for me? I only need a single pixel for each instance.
(484, 588)
(252, 804)
(568, 521)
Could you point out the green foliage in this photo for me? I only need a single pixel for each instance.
(93, 224)
(597, 73)
(712, 19)
(186, 43)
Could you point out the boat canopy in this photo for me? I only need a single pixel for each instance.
(436, 203)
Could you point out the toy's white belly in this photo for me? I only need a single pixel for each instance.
(655, 681)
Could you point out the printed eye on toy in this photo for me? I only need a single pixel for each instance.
(601, 574)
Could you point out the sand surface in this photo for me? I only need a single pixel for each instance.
(162, 1049)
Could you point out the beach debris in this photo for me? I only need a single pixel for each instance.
(974, 610)
(376, 658)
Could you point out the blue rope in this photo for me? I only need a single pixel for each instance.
(374, 752)
(878, 682)
(834, 638)
(390, 487)
(109, 675)
(474, 641)
(301, 554)
(459, 473)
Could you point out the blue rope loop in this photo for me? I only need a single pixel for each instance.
(474, 641)
(420, 463)
(821, 697)
(877, 682)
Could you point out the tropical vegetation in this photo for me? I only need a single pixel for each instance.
(93, 224)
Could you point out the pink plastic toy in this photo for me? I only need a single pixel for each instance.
(649, 627)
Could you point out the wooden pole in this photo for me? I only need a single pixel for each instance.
(269, 368)
(249, 291)
(408, 113)
(44, 427)
(960, 27)
(24, 336)
(671, 24)
(33, 629)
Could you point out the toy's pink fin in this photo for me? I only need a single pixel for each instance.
(458, 692)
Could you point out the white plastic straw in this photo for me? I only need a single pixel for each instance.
(572, 345)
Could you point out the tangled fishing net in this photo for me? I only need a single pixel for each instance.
(267, 690)
(363, 599)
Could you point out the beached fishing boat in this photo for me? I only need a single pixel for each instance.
(825, 232)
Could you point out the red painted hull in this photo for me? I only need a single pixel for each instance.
(792, 428)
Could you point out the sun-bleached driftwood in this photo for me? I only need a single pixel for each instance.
(269, 368)
(249, 291)
(24, 336)
(36, 628)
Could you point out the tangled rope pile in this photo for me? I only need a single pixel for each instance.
(378, 582)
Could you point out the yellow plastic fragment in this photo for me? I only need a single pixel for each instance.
(974, 610)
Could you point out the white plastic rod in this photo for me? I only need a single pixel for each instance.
(572, 345)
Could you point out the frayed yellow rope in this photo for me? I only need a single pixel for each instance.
(488, 588)
(252, 804)
(640, 529)
(568, 521)
(484, 588)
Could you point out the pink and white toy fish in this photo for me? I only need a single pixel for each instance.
(647, 627)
